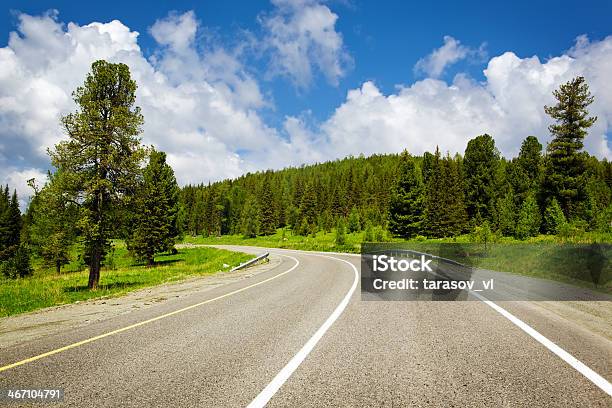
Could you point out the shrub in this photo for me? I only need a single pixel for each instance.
(379, 234)
(368, 236)
(572, 231)
(553, 217)
(353, 221)
(529, 219)
(340, 233)
(17, 266)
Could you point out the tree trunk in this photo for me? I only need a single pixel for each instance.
(94, 269)
(150, 261)
(58, 267)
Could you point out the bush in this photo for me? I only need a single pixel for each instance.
(379, 234)
(603, 220)
(572, 231)
(17, 266)
(553, 217)
(340, 233)
(368, 236)
(482, 234)
(354, 224)
(529, 220)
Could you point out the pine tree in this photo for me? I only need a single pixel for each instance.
(251, 218)
(327, 221)
(303, 227)
(308, 205)
(506, 214)
(529, 219)
(553, 217)
(445, 212)
(14, 255)
(530, 159)
(340, 233)
(196, 221)
(18, 265)
(455, 198)
(368, 235)
(354, 224)
(406, 206)
(102, 155)
(480, 165)
(5, 223)
(268, 214)
(428, 160)
(156, 203)
(15, 223)
(564, 174)
(10, 224)
(53, 231)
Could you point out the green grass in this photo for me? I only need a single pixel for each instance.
(46, 288)
(540, 257)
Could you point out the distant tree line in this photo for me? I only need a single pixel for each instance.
(433, 195)
(14, 254)
(307, 199)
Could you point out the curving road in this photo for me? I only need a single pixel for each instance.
(299, 335)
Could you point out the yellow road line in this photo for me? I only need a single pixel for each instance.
(133, 326)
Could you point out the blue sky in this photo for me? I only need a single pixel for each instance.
(367, 77)
(384, 38)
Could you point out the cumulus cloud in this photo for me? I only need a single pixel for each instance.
(302, 37)
(203, 106)
(452, 51)
(508, 105)
(199, 106)
(17, 179)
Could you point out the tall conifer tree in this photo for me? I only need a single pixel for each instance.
(406, 206)
(102, 156)
(566, 165)
(156, 209)
(479, 166)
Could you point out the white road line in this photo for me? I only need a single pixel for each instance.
(267, 393)
(286, 372)
(578, 365)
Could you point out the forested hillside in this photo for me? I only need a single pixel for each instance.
(555, 190)
(307, 198)
(433, 195)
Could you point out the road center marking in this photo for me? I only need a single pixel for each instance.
(277, 382)
(133, 326)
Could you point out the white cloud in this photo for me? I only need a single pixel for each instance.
(508, 105)
(199, 107)
(449, 53)
(17, 179)
(203, 107)
(177, 31)
(302, 37)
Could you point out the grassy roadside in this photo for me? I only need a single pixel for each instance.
(46, 288)
(541, 257)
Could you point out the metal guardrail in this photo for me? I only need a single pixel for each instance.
(399, 252)
(439, 258)
(250, 262)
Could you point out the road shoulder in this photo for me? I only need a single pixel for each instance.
(22, 328)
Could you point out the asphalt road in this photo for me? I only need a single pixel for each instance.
(300, 335)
